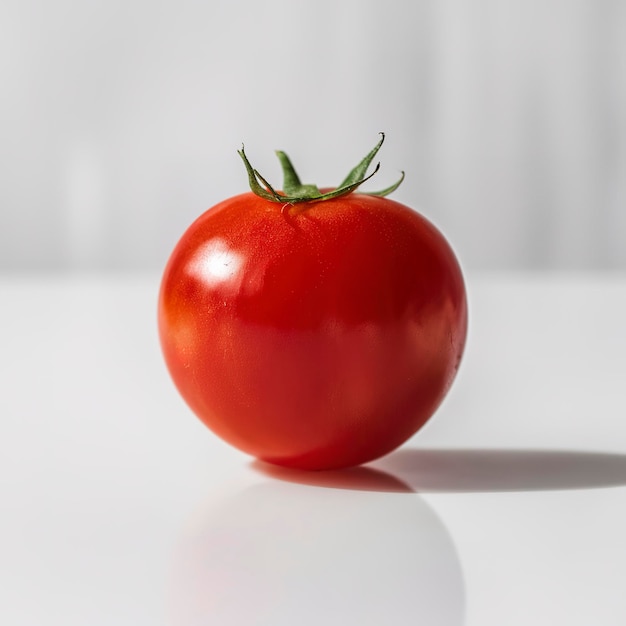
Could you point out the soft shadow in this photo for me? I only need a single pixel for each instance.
(411, 470)
(493, 470)
(356, 478)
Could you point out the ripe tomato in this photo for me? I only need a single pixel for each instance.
(309, 330)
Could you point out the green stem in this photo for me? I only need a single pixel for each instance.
(295, 192)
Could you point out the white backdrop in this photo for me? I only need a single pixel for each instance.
(120, 120)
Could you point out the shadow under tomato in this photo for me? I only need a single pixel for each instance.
(495, 470)
(411, 470)
(361, 478)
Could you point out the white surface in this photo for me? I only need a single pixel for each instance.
(118, 507)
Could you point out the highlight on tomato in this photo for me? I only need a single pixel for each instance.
(313, 328)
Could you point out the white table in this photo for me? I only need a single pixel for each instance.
(118, 507)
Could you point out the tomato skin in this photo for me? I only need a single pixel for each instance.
(315, 336)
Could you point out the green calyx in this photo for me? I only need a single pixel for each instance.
(294, 191)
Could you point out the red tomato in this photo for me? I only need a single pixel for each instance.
(315, 335)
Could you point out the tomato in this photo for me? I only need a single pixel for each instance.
(309, 331)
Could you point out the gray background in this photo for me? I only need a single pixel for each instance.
(120, 120)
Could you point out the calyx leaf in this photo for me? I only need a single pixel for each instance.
(295, 192)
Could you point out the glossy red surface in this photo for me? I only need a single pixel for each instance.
(319, 336)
